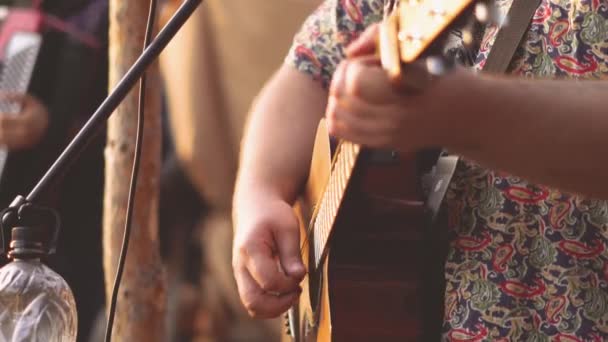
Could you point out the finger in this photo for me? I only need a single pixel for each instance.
(338, 84)
(369, 82)
(12, 97)
(12, 138)
(288, 245)
(365, 44)
(9, 122)
(363, 134)
(266, 271)
(9, 125)
(345, 126)
(351, 106)
(260, 304)
(338, 79)
(369, 125)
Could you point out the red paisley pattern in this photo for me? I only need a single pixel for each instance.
(554, 308)
(557, 32)
(571, 65)
(466, 335)
(353, 12)
(523, 195)
(526, 263)
(520, 290)
(471, 244)
(502, 256)
(581, 250)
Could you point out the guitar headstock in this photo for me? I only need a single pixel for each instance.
(417, 28)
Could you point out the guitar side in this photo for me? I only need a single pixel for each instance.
(310, 319)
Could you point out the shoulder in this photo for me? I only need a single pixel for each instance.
(319, 45)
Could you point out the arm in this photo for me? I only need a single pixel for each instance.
(552, 132)
(278, 142)
(276, 155)
(549, 131)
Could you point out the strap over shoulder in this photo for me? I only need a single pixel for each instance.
(510, 35)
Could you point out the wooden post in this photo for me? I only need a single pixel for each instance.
(140, 314)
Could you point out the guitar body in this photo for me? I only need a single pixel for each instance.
(370, 284)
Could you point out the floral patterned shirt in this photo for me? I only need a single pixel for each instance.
(526, 262)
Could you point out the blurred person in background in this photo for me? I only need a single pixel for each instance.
(69, 81)
(212, 71)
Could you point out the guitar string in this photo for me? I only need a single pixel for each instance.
(341, 171)
(318, 207)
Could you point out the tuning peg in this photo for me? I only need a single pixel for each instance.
(489, 14)
(436, 66)
(482, 12)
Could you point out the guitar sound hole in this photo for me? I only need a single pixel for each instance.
(314, 290)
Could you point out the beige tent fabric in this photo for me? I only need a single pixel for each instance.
(253, 38)
(213, 70)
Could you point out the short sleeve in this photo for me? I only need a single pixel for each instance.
(318, 47)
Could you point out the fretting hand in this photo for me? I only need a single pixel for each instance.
(365, 108)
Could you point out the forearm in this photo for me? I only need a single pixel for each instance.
(279, 137)
(551, 132)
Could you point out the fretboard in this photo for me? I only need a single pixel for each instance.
(342, 169)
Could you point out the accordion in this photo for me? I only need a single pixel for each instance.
(20, 42)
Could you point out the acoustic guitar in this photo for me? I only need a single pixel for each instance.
(373, 275)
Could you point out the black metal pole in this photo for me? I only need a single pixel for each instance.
(105, 110)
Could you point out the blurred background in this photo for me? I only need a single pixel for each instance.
(205, 83)
(212, 72)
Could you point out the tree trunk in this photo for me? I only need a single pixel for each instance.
(142, 298)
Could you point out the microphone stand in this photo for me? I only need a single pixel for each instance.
(93, 126)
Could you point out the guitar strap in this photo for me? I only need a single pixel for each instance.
(505, 45)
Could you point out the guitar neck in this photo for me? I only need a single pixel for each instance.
(344, 162)
(409, 30)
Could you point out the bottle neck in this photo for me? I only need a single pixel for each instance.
(27, 243)
(26, 251)
(30, 260)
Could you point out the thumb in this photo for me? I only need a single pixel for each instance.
(288, 245)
